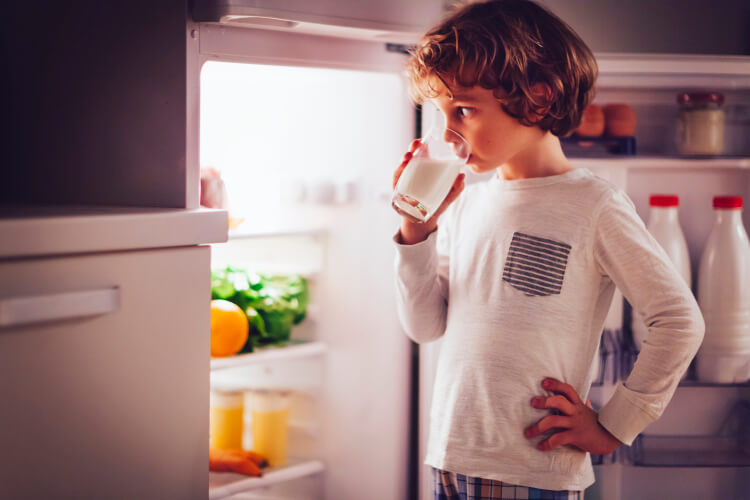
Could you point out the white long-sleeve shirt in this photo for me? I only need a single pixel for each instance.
(518, 280)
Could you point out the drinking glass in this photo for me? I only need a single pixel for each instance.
(431, 172)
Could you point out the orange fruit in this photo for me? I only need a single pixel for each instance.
(229, 328)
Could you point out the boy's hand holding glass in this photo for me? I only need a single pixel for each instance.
(577, 422)
(428, 180)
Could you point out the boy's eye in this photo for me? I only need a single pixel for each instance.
(463, 111)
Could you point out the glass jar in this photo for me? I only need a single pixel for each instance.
(700, 125)
(226, 420)
(270, 424)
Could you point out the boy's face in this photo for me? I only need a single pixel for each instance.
(495, 137)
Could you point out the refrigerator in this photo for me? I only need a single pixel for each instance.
(303, 109)
(336, 201)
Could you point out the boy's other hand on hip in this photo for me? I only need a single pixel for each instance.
(576, 424)
(412, 232)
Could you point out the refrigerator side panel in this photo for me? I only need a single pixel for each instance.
(112, 403)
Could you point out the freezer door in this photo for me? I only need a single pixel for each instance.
(104, 363)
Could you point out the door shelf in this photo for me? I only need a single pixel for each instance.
(294, 350)
(690, 451)
(225, 484)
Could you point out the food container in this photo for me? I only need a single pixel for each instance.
(619, 120)
(270, 424)
(700, 123)
(226, 420)
(592, 122)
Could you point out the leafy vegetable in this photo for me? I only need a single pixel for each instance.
(272, 303)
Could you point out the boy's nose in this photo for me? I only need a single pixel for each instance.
(459, 145)
(451, 137)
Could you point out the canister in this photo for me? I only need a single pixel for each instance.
(700, 123)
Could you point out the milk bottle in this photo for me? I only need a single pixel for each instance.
(664, 226)
(724, 297)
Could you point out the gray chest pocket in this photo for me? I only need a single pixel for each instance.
(536, 266)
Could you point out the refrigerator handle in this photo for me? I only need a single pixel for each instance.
(20, 311)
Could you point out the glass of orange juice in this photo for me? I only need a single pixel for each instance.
(226, 420)
(270, 424)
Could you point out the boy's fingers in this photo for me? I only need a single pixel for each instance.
(547, 423)
(555, 440)
(414, 145)
(400, 169)
(558, 402)
(554, 385)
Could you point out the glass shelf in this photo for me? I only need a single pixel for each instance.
(729, 447)
(664, 162)
(698, 383)
(655, 71)
(610, 459)
(226, 484)
(293, 349)
(690, 451)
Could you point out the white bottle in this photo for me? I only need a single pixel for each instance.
(664, 226)
(724, 297)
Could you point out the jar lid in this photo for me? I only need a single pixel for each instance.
(700, 97)
(727, 201)
(227, 399)
(664, 200)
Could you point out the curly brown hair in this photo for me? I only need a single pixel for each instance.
(509, 46)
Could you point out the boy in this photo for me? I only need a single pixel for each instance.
(518, 275)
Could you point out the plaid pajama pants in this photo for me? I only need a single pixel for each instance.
(450, 486)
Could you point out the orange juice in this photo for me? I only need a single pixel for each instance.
(270, 421)
(226, 420)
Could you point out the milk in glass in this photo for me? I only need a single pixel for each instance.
(423, 186)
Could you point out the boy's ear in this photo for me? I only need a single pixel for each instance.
(542, 93)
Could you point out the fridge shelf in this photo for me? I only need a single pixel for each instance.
(293, 219)
(271, 231)
(698, 383)
(666, 162)
(621, 70)
(690, 451)
(598, 147)
(290, 351)
(225, 484)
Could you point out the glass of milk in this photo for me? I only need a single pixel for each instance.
(429, 176)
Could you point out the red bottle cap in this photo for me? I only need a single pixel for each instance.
(664, 200)
(727, 201)
(700, 98)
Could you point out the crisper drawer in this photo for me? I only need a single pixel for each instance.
(104, 375)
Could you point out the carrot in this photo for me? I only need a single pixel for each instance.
(240, 461)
